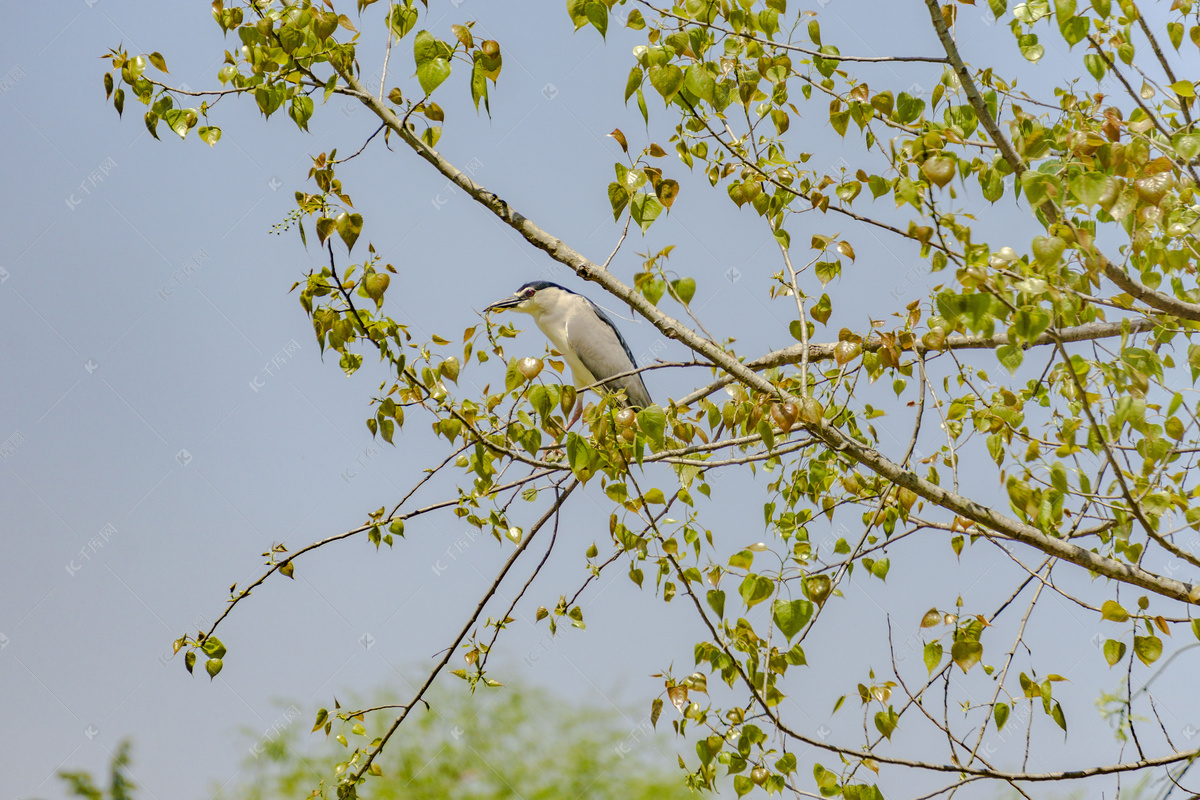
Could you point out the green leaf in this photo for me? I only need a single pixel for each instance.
(1056, 713)
(966, 654)
(1183, 88)
(886, 721)
(432, 74)
(792, 615)
(180, 120)
(1114, 651)
(653, 421)
(880, 568)
(597, 14)
(349, 226)
(742, 559)
(618, 196)
(908, 108)
(212, 667)
(667, 79)
(755, 589)
(1000, 712)
(716, 601)
(1147, 648)
(634, 82)
(209, 134)
(1112, 610)
(933, 656)
(1187, 145)
(699, 82)
(301, 110)
(645, 209)
(213, 648)
(685, 289)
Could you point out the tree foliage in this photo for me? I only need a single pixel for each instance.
(120, 783)
(1056, 372)
(524, 743)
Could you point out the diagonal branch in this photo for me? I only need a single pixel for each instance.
(821, 429)
(462, 634)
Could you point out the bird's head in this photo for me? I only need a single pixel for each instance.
(533, 298)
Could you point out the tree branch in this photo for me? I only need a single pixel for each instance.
(462, 634)
(823, 352)
(832, 437)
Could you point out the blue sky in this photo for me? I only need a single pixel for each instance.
(168, 415)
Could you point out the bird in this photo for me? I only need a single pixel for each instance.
(589, 341)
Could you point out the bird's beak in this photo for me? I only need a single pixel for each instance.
(509, 302)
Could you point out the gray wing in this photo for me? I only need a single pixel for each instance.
(603, 350)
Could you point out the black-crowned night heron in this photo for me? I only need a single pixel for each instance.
(589, 341)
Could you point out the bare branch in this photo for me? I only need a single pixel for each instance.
(462, 634)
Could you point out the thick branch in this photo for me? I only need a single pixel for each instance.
(822, 430)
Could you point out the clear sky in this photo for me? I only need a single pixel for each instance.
(168, 414)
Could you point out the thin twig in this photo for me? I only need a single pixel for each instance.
(462, 634)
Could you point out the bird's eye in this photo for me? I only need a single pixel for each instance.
(529, 292)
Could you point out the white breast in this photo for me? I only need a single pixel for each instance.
(556, 325)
